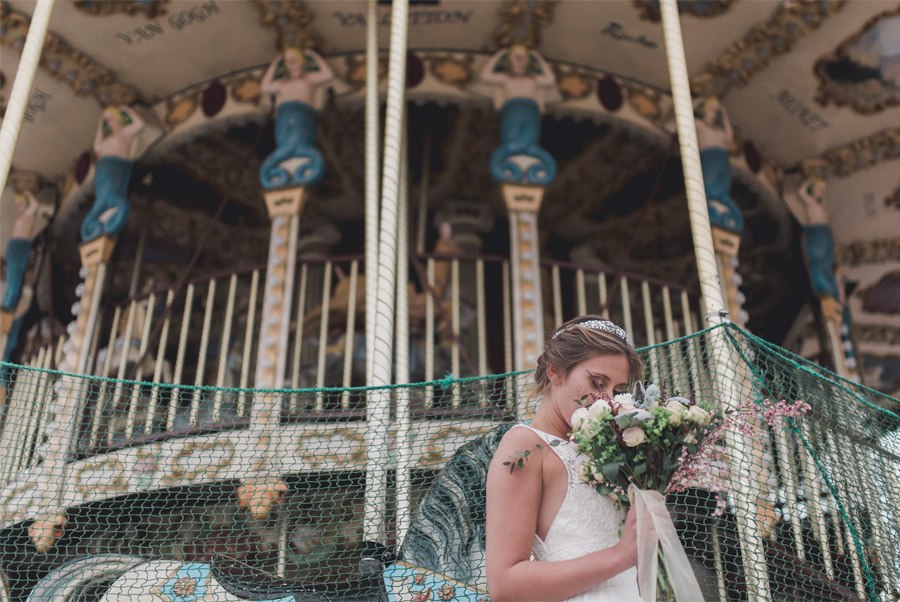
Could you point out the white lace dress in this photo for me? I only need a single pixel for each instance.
(586, 522)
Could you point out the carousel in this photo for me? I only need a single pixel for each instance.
(233, 232)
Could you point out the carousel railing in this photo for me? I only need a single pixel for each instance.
(460, 324)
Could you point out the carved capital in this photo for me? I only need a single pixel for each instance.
(288, 201)
(526, 199)
(97, 251)
(725, 242)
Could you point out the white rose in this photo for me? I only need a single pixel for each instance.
(626, 400)
(578, 418)
(634, 436)
(599, 407)
(690, 439)
(676, 412)
(598, 477)
(698, 416)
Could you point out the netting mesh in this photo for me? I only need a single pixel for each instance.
(125, 490)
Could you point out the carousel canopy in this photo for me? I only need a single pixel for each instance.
(812, 88)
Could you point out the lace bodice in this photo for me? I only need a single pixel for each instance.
(586, 522)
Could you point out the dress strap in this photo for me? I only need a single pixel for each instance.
(565, 449)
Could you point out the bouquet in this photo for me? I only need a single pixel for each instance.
(640, 446)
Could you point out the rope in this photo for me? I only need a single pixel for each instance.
(372, 178)
(18, 98)
(378, 411)
(698, 211)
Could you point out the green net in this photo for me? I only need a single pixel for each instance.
(126, 490)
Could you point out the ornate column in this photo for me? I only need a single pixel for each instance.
(726, 245)
(261, 492)
(286, 176)
(523, 204)
(104, 221)
(523, 169)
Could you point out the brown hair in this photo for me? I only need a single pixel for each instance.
(574, 344)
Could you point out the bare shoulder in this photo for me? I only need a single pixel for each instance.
(519, 449)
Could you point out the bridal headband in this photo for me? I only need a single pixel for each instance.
(604, 325)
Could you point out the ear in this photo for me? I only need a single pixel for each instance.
(555, 377)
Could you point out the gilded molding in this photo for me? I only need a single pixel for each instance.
(63, 62)
(102, 8)
(737, 64)
(862, 153)
(869, 251)
(893, 199)
(521, 22)
(648, 10)
(291, 21)
(876, 333)
(868, 96)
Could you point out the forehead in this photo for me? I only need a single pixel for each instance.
(614, 366)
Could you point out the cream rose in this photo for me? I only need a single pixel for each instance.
(676, 412)
(698, 415)
(626, 400)
(599, 407)
(578, 418)
(584, 473)
(634, 436)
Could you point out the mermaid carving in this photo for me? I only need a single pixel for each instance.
(715, 136)
(117, 129)
(518, 75)
(292, 78)
(818, 240)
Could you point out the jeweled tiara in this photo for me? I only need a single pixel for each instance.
(604, 325)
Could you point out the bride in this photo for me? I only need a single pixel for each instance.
(542, 510)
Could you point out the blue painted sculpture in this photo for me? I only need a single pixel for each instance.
(818, 240)
(107, 216)
(518, 75)
(18, 249)
(714, 137)
(293, 77)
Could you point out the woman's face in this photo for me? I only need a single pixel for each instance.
(602, 376)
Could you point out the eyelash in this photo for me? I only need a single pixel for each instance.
(599, 384)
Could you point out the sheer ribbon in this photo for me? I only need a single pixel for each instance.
(655, 529)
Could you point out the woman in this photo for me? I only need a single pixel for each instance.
(543, 509)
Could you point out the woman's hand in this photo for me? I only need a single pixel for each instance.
(627, 545)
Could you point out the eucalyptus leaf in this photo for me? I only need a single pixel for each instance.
(611, 471)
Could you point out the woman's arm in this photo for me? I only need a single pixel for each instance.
(268, 84)
(513, 504)
(325, 72)
(487, 72)
(547, 76)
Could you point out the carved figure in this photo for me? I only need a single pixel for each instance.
(260, 495)
(116, 131)
(715, 136)
(19, 248)
(518, 75)
(45, 530)
(818, 240)
(292, 78)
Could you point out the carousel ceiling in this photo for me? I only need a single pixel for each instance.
(811, 86)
